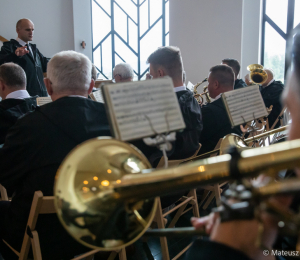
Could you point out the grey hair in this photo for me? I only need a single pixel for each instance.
(124, 70)
(69, 71)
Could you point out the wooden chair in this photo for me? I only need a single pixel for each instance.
(45, 205)
(184, 201)
(213, 191)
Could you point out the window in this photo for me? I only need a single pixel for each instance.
(279, 19)
(128, 31)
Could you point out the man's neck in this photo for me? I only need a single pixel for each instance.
(61, 95)
(26, 42)
(177, 84)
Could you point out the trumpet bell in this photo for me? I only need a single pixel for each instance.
(232, 140)
(86, 203)
(257, 73)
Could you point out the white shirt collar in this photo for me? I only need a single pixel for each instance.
(177, 89)
(77, 96)
(21, 41)
(19, 94)
(217, 97)
(271, 82)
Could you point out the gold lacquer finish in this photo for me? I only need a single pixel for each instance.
(103, 191)
(199, 97)
(86, 203)
(257, 73)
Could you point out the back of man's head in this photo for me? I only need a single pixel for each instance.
(234, 64)
(13, 77)
(123, 72)
(69, 73)
(169, 58)
(270, 74)
(224, 75)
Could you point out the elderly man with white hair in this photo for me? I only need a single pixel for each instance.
(271, 92)
(37, 144)
(123, 72)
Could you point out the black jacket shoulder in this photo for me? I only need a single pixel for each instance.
(239, 83)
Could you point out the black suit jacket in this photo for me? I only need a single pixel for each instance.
(216, 125)
(271, 96)
(33, 66)
(187, 141)
(239, 83)
(10, 110)
(33, 150)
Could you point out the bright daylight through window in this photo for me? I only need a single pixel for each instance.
(280, 17)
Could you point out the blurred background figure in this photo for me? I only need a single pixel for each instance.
(123, 72)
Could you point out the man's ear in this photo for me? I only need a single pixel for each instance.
(161, 72)
(2, 86)
(92, 84)
(48, 85)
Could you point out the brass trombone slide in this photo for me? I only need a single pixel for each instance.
(237, 141)
(104, 183)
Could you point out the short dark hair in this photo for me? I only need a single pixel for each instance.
(224, 74)
(234, 64)
(170, 59)
(13, 75)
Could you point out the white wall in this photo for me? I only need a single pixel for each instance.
(206, 31)
(82, 26)
(53, 22)
(252, 19)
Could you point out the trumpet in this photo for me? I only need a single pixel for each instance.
(105, 194)
(257, 74)
(199, 97)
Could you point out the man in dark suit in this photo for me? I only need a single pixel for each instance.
(27, 55)
(237, 239)
(235, 65)
(167, 61)
(271, 92)
(216, 123)
(37, 144)
(15, 99)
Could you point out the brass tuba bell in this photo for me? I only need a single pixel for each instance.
(199, 97)
(257, 74)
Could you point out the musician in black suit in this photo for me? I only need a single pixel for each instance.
(237, 239)
(167, 61)
(15, 99)
(36, 145)
(271, 92)
(216, 123)
(236, 67)
(28, 56)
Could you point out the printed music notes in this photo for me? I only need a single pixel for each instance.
(244, 105)
(143, 108)
(43, 100)
(97, 96)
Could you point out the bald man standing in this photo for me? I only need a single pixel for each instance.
(27, 55)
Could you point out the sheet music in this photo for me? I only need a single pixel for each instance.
(245, 105)
(97, 96)
(190, 86)
(43, 100)
(145, 108)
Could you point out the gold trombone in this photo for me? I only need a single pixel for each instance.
(199, 97)
(105, 192)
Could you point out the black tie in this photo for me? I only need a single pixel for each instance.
(27, 46)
